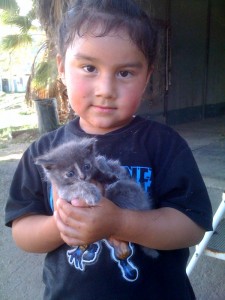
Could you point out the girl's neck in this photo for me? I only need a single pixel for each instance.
(101, 130)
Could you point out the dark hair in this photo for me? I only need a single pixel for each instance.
(86, 15)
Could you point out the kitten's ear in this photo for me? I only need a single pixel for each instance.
(90, 147)
(45, 163)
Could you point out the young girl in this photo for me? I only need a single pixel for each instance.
(106, 54)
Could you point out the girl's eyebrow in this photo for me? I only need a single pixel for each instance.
(136, 64)
(84, 57)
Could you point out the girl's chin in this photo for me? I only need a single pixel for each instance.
(98, 127)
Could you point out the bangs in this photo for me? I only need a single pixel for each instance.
(99, 24)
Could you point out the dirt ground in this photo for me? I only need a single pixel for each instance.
(18, 270)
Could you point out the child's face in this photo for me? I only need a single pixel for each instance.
(105, 79)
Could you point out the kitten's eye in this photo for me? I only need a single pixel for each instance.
(87, 167)
(70, 174)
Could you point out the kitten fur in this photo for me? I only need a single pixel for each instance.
(73, 165)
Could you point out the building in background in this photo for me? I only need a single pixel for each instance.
(189, 78)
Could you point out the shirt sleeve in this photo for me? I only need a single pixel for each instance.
(28, 193)
(181, 186)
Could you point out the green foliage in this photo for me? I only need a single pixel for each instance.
(44, 74)
(9, 5)
(23, 23)
(14, 41)
(21, 37)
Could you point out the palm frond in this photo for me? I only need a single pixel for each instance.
(43, 72)
(21, 22)
(42, 75)
(9, 5)
(15, 41)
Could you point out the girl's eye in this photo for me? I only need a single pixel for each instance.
(89, 68)
(70, 174)
(124, 74)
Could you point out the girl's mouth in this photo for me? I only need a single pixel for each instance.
(104, 109)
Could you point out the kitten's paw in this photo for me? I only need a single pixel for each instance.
(90, 193)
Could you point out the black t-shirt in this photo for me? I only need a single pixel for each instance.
(161, 161)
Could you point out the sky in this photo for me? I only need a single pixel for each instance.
(25, 6)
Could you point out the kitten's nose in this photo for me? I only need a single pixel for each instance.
(82, 177)
(80, 174)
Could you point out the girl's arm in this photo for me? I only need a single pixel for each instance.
(162, 229)
(36, 233)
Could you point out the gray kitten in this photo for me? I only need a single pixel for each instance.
(73, 165)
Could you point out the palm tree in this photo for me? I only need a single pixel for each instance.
(20, 27)
(23, 23)
(49, 13)
(43, 81)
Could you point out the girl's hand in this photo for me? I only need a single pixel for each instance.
(80, 224)
(55, 196)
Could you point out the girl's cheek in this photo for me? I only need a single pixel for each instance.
(134, 99)
(77, 93)
(76, 87)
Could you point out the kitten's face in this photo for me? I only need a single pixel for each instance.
(69, 163)
(68, 174)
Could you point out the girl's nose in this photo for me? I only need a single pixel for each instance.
(106, 87)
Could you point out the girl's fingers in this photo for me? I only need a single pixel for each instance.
(85, 225)
(55, 195)
(66, 214)
(69, 234)
(79, 203)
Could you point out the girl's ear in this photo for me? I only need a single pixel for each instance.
(61, 68)
(150, 71)
(149, 74)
